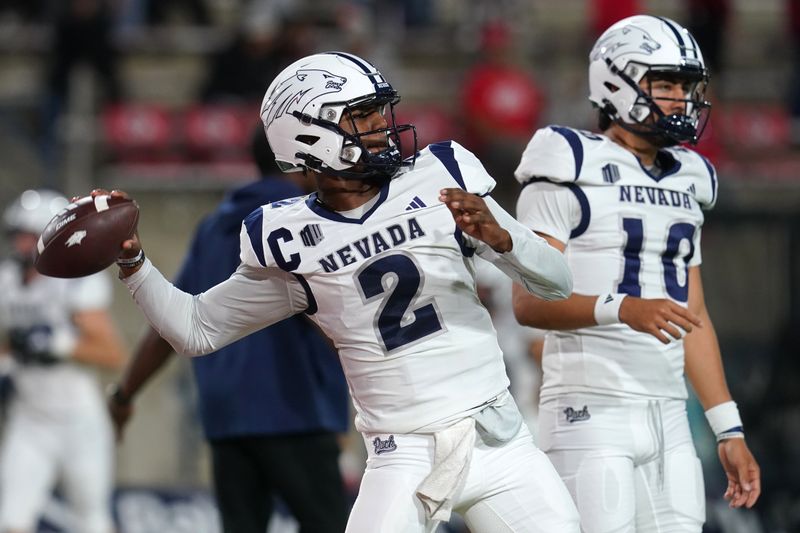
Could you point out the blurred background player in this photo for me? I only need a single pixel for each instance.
(272, 403)
(626, 209)
(57, 428)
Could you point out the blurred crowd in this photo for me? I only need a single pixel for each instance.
(505, 70)
(167, 91)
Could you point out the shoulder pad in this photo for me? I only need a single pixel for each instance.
(461, 164)
(285, 202)
(555, 153)
(251, 242)
(703, 175)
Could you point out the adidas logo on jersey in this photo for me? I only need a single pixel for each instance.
(692, 190)
(311, 235)
(577, 416)
(384, 446)
(416, 203)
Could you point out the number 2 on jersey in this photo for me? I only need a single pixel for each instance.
(393, 322)
(678, 232)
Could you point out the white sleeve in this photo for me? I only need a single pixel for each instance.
(246, 302)
(549, 208)
(532, 262)
(697, 256)
(476, 179)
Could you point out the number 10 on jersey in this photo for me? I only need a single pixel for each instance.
(672, 258)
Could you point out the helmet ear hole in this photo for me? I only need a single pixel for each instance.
(310, 140)
(611, 87)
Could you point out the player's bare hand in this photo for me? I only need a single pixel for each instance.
(473, 217)
(120, 413)
(658, 317)
(742, 471)
(132, 246)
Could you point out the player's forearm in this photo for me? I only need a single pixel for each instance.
(703, 365)
(98, 341)
(703, 361)
(168, 310)
(531, 262)
(150, 355)
(575, 312)
(197, 325)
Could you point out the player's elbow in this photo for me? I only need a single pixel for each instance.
(557, 285)
(529, 309)
(192, 345)
(562, 287)
(558, 279)
(551, 291)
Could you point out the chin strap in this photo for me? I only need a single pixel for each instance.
(659, 138)
(315, 165)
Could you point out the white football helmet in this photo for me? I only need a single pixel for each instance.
(31, 212)
(304, 104)
(641, 46)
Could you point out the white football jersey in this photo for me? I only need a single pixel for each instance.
(395, 291)
(626, 230)
(392, 283)
(58, 389)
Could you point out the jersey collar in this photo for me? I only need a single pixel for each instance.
(320, 209)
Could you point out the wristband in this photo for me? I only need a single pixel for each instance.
(606, 308)
(725, 421)
(131, 262)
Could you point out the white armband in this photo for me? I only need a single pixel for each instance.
(606, 308)
(725, 421)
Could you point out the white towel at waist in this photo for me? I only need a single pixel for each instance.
(452, 454)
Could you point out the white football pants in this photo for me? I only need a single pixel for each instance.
(630, 465)
(508, 488)
(39, 451)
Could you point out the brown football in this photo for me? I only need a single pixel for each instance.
(86, 236)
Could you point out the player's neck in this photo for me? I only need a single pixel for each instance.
(637, 145)
(340, 194)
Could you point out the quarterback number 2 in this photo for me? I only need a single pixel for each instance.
(679, 232)
(402, 317)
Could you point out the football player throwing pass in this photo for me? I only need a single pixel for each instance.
(381, 258)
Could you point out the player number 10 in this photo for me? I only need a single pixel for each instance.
(634, 244)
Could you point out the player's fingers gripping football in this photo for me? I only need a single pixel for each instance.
(132, 246)
(473, 217)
